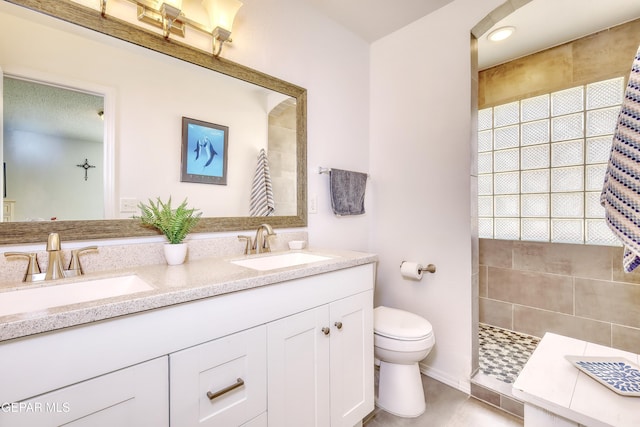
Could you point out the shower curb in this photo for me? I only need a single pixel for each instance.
(497, 394)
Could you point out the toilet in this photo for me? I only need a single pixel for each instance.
(401, 340)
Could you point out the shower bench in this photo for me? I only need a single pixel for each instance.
(557, 394)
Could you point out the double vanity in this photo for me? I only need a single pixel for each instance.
(280, 339)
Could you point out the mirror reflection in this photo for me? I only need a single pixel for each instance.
(146, 94)
(53, 152)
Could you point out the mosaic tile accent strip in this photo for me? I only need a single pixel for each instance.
(503, 353)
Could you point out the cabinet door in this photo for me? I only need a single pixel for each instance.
(132, 397)
(298, 369)
(352, 389)
(220, 383)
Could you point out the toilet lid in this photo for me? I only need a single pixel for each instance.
(400, 324)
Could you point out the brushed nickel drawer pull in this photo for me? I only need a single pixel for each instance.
(338, 325)
(326, 330)
(238, 383)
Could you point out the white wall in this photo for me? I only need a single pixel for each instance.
(290, 40)
(420, 129)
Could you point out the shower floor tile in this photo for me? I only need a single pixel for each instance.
(503, 353)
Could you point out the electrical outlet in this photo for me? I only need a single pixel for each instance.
(313, 204)
(128, 205)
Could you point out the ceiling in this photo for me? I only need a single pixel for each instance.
(540, 24)
(51, 110)
(374, 19)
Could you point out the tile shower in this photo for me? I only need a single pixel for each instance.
(529, 288)
(575, 290)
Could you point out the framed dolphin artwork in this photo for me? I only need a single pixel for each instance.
(204, 152)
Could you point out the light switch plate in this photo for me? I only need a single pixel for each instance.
(313, 204)
(128, 205)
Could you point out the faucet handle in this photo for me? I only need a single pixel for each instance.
(53, 242)
(33, 268)
(75, 267)
(247, 245)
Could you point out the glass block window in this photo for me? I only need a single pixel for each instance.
(541, 165)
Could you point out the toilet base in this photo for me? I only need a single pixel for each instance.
(400, 390)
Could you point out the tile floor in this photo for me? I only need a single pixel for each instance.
(447, 407)
(503, 353)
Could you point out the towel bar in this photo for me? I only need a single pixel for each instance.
(322, 170)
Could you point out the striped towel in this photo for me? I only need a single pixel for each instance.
(621, 192)
(262, 203)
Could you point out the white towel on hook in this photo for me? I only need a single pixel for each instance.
(621, 192)
(262, 203)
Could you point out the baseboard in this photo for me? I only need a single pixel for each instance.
(462, 384)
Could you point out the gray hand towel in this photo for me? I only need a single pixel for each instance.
(347, 192)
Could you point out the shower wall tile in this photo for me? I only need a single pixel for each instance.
(537, 322)
(625, 338)
(608, 301)
(576, 290)
(547, 291)
(483, 281)
(496, 313)
(588, 261)
(496, 253)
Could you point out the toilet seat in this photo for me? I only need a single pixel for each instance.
(400, 325)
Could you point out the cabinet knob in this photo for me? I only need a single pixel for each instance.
(326, 330)
(338, 325)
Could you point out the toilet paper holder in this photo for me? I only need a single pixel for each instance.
(430, 268)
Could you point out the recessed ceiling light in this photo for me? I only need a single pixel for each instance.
(501, 33)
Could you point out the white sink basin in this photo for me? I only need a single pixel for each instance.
(47, 296)
(272, 262)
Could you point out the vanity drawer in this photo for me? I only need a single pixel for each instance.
(221, 382)
(130, 397)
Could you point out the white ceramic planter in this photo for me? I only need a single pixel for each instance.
(175, 254)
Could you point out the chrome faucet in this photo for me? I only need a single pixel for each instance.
(260, 243)
(54, 267)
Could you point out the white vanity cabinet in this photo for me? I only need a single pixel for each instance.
(292, 353)
(131, 397)
(320, 365)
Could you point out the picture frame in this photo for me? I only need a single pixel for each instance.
(204, 152)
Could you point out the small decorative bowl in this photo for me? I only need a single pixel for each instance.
(297, 244)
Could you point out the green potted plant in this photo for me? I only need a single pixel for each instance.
(175, 224)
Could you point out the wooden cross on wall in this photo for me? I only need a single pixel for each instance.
(86, 167)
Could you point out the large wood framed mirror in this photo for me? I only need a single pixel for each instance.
(144, 128)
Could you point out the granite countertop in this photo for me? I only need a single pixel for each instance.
(204, 278)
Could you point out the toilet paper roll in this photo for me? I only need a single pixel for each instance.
(411, 270)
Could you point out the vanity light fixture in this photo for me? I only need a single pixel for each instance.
(221, 15)
(216, 18)
(501, 33)
(165, 14)
(170, 10)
